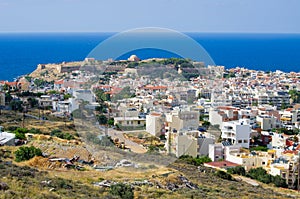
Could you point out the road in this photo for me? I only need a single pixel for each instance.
(247, 180)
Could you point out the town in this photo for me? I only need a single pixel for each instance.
(156, 111)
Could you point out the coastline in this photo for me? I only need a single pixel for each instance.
(21, 54)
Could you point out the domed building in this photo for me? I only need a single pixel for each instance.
(133, 58)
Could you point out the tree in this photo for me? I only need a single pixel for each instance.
(283, 105)
(102, 119)
(16, 105)
(295, 96)
(279, 181)
(32, 102)
(239, 170)
(67, 96)
(224, 175)
(8, 97)
(20, 133)
(260, 174)
(26, 153)
(39, 82)
(122, 190)
(101, 96)
(5, 87)
(206, 124)
(111, 121)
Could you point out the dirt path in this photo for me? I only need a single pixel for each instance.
(134, 147)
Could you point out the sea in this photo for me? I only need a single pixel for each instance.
(20, 53)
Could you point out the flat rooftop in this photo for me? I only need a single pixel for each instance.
(6, 137)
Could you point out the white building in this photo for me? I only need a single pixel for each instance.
(155, 124)
(181, 143)
(248, 160)
(266, 122)
(278, 141)
(290, 118)
(131, 122)
(182, 120)
(222, 113)
(6, 138)
(237, 132)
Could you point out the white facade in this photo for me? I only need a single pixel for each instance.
(6, 138)
(130, 121)
(266, 122)
(278, 141)
(248, 160)
(181, 143)
(154, 124)
(237, 132)
(182, 120)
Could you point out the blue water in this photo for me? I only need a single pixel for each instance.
(21, 52)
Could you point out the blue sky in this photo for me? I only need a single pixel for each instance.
(272, 16)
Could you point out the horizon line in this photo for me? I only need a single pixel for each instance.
(115, 32)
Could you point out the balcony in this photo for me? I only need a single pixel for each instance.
(228, 135)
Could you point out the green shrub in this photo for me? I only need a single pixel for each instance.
(259, 148)
(20, 133)
(261, 175)
(122, 190)
(195, 161)
(224, 175)
(279, 181)
(58, 133)
(26, 153)
(35, 131)
(239, 170)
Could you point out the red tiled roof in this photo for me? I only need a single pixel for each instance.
(290, 151)
(59, 81)
(222, 164)
(227, 108)
(104, 86)
(155, 114)
(11, 83)
(155, 87)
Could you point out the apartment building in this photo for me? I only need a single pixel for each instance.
(237, 132)
(182, 119)
(155, 124)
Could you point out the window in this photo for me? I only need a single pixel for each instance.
(263, 163)
(239, 141)
(127, 122)
(245, 141)
(139, 122)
